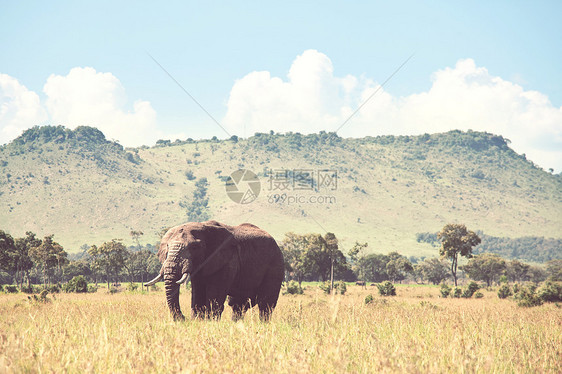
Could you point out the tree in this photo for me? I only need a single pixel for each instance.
(398, 267)
(456, 240)
(76, 268)
(7, 252)
(433, 270)
(372, 268)
(310, 256)
(48, 256)
(141, 263)
(486, 267)
(554, 269)
(136, 237)
(356, 252)
(110, 257)
(14, 255)
(517, 271)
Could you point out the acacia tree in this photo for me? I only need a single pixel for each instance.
(486, 267)
(456, 240)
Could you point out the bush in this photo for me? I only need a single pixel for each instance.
(527, 297)
(386, 289)
(516, 288)
(470, 290)
(132, 286)
(369, 299)
(341, 287)
(294, 288)
(10, 288)
(27, 289)
(325, 286)
(504, 291)
(50, 288)
(445, 290)
(551, 291)
(478, 295)
(42, 298)
(457, 292)
(92, 289)
(76, 284)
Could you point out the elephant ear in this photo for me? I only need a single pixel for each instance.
(163, 249)
(219, 246)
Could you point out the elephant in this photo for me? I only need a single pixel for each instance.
(242, 262)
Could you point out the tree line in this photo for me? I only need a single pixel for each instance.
(30, 260)
(308, 257)
(313, 257)
(529, 248)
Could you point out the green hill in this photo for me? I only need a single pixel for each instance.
(85, 189)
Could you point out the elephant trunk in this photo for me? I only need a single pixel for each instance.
(173, 299)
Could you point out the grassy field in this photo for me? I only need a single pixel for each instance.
(415, 331)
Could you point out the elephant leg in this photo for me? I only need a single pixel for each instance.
(268, 293)
(216, 296)
(198, 300)
(239, 307)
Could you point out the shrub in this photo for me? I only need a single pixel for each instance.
(470, 290)
(76, 284)
(27, 289)
(50, 288)
(527, 297)
(294, 288)
(92, 289)
(10, 288)
(42, 298)
(113, 290)
(516, 288)
(132, 286)
(457, 292)
(551, 291)
(386, 289)
(445, 290)
(341, 287)
(478, 295)
(325, 286)
(504, 291)
(369, 299)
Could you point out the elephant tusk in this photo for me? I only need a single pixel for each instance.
(185, 278)
(158, 278)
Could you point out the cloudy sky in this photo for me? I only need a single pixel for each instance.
(129, 69)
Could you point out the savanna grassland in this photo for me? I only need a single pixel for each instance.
(415, 331)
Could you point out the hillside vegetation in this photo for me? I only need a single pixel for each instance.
(85, 189)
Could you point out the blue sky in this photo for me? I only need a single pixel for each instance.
(285, 66)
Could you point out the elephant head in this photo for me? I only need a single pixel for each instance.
(188, 251)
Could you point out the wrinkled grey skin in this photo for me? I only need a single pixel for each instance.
(242, 262)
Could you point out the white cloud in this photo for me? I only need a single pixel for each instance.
(20, 109)
(82, 97)
(86, 97)
(463, 97)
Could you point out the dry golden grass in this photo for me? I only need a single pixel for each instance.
(413, 332)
